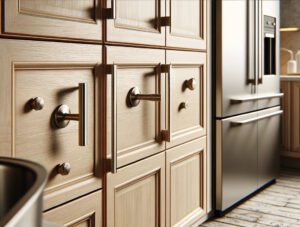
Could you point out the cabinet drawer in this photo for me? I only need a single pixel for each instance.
(187, 24)
(186, 99)
(52, 71)
(134, 130)
(136, 22)
(186, 183)
(72, 19)
(86, 211)
(136, 194)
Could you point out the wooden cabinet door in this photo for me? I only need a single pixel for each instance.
(83, 212)
(136, 194)
(71, 19)
(187, 23)
(186, 96)
(295, 117)
(136, 22)
(51, 71)
(134, 132)
(286, 117)
(186, 183)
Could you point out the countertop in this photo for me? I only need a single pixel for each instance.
(289, 78)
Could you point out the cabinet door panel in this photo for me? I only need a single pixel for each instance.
(137, 22)
(186, 183)
(186, 105)
(286, 117)
(83, 212)
(188, 24)
(38, 69)
(136, 132)
(295, 118)
(136, 194)
(72, 19)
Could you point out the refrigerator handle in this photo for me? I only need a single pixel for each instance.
(251, 42)
(260, 35)
(242, 122)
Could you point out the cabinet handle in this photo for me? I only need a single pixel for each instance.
(110, 13)
(64, 168)
(166, 134)
(134, 97)
(190, 84)
(279, 112)
(63, 115)
(37, 103)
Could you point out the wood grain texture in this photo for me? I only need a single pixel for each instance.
(188, 23)
(137, 22)
(83, 212)
(136, 194)
(31, 69)
(186, 183)
(286, 119)
(277, 205)
(190, 123)
(295, 118)
(137, 128)
(74, 19)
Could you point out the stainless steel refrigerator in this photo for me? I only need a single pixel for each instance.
(247, 98)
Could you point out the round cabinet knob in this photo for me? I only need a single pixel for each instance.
(37, 103)
(183, 105)
(64, 169)
(190, 84)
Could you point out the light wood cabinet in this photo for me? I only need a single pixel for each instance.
(286, 117)
(83, 212)
(134, 132)
(72, 19)
(136, 194)
(186, 183)
(51, 71)
(187, 23)
(138, 22)
(186, 96)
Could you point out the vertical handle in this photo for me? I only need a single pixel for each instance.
(251, 41)
(83, 114)
(110, 13)
(167, 135)
(260, 42)
(114, 119)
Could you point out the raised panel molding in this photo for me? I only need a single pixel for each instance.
(286, 119)
(186, 183)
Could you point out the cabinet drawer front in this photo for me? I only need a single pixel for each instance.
(137, 22)
(83, 212)
(136, 194)
(186, 99)
(52, 72)
(183, 33)
(134, 132)
(186, 183)
(73, 19)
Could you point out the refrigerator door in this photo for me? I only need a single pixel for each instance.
(235, 58)
(268, 79)
(236, 159)
(268, 145)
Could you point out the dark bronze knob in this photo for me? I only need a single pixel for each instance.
(37, 103)
(190, 84)
(64, 168)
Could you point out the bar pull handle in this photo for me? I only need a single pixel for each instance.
(110, 13)
(63, 115)
(255, 97)
(279, 112)
(134, 97)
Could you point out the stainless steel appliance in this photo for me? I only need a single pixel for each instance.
(247, 98)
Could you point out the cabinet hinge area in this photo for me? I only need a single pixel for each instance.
(165, 21)
(165, 135)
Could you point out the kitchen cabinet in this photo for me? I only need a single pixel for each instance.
(188, 24)
(73, 19)
(136, 194)
(138, 22)
(38, 84)
(134, 131)
(186, 96)
(186, 183)
(85, 211)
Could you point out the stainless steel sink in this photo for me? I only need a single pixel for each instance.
(21, 189)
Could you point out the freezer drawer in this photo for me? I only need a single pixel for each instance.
(247, 154)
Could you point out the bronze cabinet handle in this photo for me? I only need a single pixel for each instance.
(134, 97)
(190, 84)
(63, 115)
(64, 168)
(37, 103)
